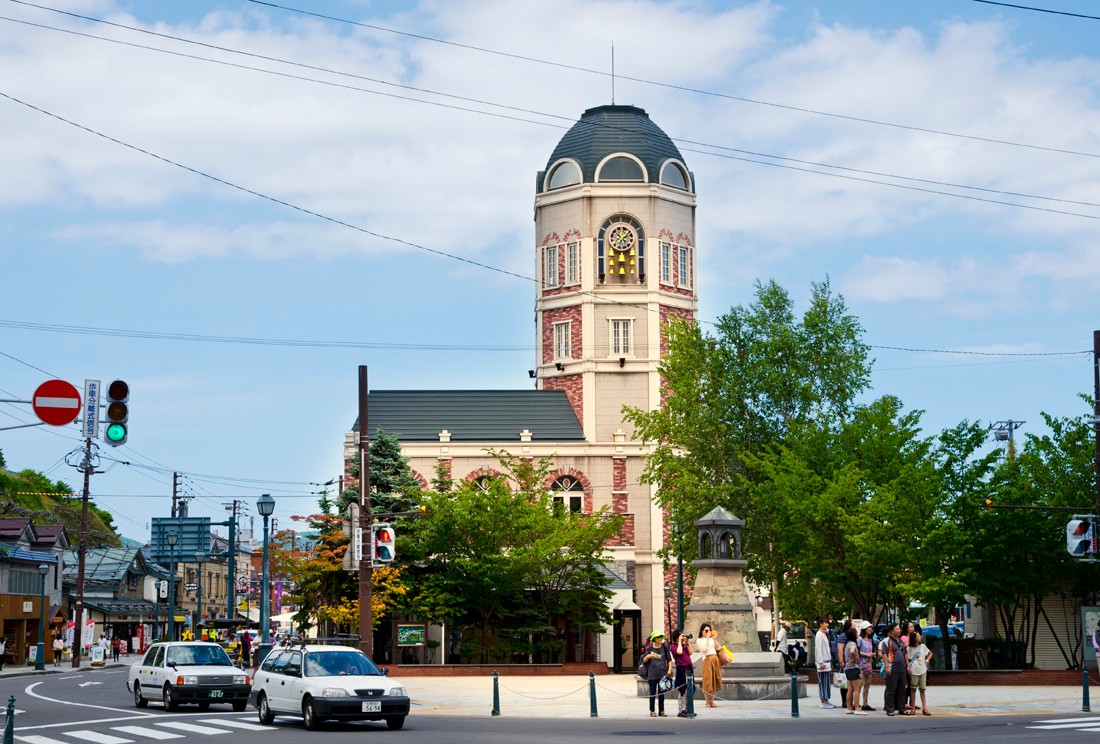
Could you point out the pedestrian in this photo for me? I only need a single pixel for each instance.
(116, 648)
(866, 662)
(246, 648)
(3, 651)
(58, 650)
(681, 655)
(658, 660)
(852, 673)
(839, 642)
(781, 636)
(908, 627)
(1096, 640)
(918, 657)
(823, 657)
(707, 644)
(892, 651)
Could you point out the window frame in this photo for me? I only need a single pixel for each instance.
(621, 344)
(572, 263)
(550, 267)
(683, 276)
(666, 263)
(563, 334)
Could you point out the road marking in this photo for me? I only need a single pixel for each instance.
(1073, 720)
(97, 737)
(38, 740)
(192, 728)
(237, 724)
(150, 733)
(85, 684)
(30, 691)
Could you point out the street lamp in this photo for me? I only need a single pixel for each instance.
(198, 591)
(266, 506)
(156, 610)
(40, 653)
(172, 536)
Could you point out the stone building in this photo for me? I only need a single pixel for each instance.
(614, 248)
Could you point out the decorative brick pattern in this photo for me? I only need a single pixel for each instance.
(571, 314)
(421, 480)
(667, 313)
(580, 477)
(625, 538)
(573, 386)
(618, 475)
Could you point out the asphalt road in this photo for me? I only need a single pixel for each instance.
(95, 708)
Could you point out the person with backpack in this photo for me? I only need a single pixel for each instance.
(892, 652)
(658, 660)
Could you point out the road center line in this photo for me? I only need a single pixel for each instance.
(30, 691)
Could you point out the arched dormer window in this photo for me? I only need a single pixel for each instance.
(565, 173)
(621, 168)
(567, 494)
(673, 174)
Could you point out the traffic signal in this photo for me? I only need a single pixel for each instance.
(118, 413)
(1080, 537)
(383, 548)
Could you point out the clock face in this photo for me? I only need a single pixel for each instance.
(621, 238)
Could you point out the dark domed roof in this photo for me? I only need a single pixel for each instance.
(604, 130)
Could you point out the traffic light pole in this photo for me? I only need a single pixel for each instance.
(1096, 410)
(366, 570)
(78, 611)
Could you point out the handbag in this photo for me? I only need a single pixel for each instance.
(643, 670)
(725, 655)
(664, 684)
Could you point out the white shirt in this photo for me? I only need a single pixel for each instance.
(823, 650)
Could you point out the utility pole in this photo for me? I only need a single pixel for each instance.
(1096, 409)
(175, 492)
(78, 616)
(1002, 432)
(366, 569)
(231, 565)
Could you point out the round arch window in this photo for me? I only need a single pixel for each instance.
(564, 174)
(621, 168)
(673, 175)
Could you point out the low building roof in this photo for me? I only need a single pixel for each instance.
(472, 415)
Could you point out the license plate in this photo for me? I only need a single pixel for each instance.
(372, 706)
(217, 693)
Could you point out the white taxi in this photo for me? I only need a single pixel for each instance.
(319, 683)
(187, 672)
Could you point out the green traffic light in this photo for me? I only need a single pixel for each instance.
(115, 432)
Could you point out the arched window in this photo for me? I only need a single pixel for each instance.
(483, 481)
(620, 251)
(567, 494)
(564, 174)
(621, 168)
(673, 175)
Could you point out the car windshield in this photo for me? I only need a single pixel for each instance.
(339, 663)
(198, 656)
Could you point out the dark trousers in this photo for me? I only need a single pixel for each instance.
(896, 685)
(654, 695)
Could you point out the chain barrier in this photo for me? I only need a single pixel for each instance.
(552, 697)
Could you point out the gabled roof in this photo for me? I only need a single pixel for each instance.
(101, 564)
(12, 528)
(50, 535)
(472, 415)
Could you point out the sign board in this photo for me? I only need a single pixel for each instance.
(192, 535)
(56, 402)
(89, 414)
(410, 635)
(1090, 624)
(357, 545)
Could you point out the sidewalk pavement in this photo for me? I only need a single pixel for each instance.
(616, 697)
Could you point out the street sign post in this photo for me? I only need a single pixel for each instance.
(89, 414)
(56, 403)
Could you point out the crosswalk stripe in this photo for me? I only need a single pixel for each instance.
(96, 737)
(1073, 720)
(149, 733)
(38, 740)
(247, 726)
(192, 728)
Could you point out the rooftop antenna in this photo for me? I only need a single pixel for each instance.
(612, 73)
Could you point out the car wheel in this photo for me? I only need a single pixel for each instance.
(309, 715)
(239, 705)
(265, 714)
(139, 701)
(394, 723)
(170, 702)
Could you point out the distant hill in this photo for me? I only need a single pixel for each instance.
(29, 493)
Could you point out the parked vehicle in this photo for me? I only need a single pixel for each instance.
(187, 672)
(320, 683)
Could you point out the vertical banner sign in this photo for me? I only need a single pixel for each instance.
(278, 596)
(357, 544)
(89, 415)
(1090, 624)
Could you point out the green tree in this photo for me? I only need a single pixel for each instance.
(392, 485)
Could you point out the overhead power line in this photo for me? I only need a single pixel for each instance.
(673, 86)
(1039, 10)
(566, 121)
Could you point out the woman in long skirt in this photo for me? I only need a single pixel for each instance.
(708, 645)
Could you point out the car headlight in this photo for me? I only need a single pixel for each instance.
(240, 679)
(398, 691)
(188, 680)
(334, 692)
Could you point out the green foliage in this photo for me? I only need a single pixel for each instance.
(392, 486)
(502, 561)
(29, 493)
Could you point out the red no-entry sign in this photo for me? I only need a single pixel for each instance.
(56, 403)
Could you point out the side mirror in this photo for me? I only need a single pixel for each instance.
(385, 671)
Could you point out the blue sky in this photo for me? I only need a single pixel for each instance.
(96, 235)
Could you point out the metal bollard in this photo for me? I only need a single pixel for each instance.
(794, 692)
(1085, 707)
(592, 696)
(690, 712)
(9, 723)
(496, 694)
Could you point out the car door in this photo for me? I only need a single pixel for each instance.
(139, 673)
(295, 682)
(279, 690)
(155, 675)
